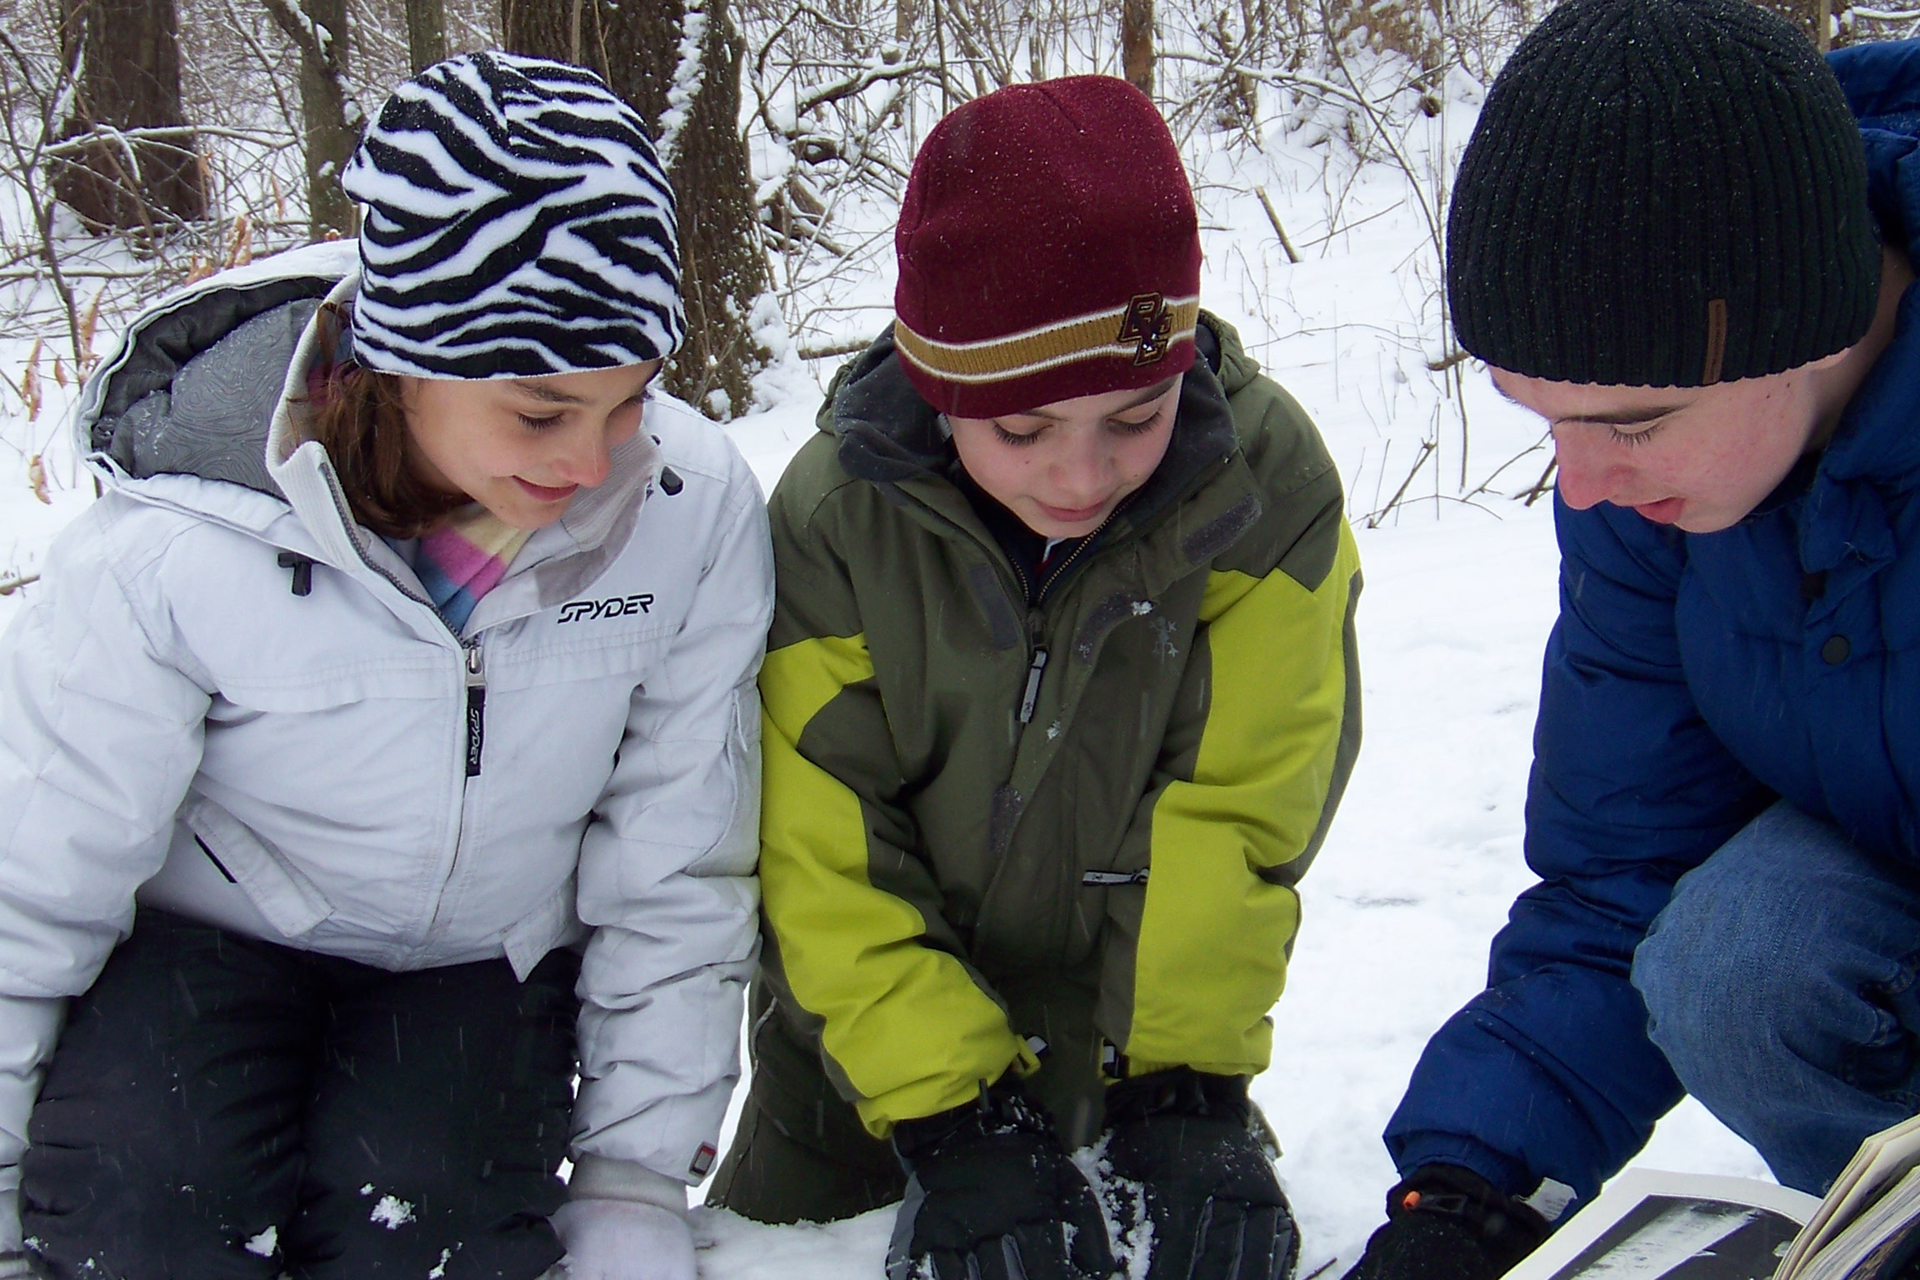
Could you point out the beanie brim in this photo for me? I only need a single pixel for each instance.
(1145, 341)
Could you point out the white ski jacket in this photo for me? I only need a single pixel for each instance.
(231, 702)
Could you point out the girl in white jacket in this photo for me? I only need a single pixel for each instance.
(399, 687)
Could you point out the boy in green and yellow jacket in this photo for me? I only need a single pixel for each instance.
(1059, 699)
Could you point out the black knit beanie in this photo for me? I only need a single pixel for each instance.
(1662, 193)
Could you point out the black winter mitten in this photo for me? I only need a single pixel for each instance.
(1217, 1211)
(991, 1195)
(1448, 1223)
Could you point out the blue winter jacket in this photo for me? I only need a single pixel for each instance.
(1689, 681)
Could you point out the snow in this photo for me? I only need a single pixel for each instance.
(391, 1212)
(689, 72)
(1420, 866)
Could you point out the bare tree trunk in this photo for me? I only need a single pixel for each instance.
(332, 120)
(126, 56)
(426, 33)
(692, 104)
(1136, 43)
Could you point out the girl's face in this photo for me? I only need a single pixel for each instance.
(523, 447)
(1063, 467)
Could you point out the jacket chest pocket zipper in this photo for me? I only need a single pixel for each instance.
(476, 708)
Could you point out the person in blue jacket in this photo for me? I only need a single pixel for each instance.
(1684, 239)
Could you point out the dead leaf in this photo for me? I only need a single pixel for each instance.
(89, 325)
(37, 478)
(240, 243)
(30, 382)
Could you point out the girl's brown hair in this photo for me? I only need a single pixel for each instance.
(359, 417)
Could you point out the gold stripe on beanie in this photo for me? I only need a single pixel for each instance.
(1142, 330)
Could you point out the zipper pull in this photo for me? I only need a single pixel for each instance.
(1032, 695)
(476, 707)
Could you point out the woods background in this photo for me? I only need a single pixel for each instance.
(146, 143)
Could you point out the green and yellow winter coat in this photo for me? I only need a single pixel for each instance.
(1063, 838)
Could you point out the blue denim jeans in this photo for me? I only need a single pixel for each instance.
(1779, 982)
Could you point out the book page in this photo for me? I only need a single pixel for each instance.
(1881, 1158)
(1875, 1243)
(1652, 1225)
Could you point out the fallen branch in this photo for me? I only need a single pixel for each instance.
(852, 346)
(1278, 230)
(1426, 451)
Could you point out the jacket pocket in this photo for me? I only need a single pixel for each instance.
(279, 890)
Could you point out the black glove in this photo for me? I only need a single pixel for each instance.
(1217, 1212)
(1449, 1223)
(991, 1195)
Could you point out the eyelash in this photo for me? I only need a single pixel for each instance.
(1018, 441)
(1631, 438)
(553, 420)
(1124, 428)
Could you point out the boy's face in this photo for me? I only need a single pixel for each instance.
(1063, 467)
(523, 447)
(1698, 458)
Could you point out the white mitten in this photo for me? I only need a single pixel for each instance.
(624, 1240)
(625, 1222)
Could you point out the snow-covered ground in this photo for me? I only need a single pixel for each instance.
(1419, 867)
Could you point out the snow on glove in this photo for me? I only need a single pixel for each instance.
(1187, 1137)
(1448, 1223)
(623, 1240)
(991, 1195)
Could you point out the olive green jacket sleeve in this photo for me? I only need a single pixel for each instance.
(1250, 772)
(858, 943)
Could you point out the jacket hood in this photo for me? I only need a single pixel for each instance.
(183, 393)
(1876, 439)
(890, 435)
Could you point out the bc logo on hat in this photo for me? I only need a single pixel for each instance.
(1149, 320)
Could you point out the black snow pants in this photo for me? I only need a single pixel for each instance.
(220, 1108)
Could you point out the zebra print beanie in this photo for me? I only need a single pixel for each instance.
(518, 224)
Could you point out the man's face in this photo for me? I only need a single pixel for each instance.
(1698, 458)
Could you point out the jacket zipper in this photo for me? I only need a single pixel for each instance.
(476, 706)
(475, 673)
(1037, 663)
(1035, 669)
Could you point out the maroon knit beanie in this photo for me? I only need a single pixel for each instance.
(1048, 249)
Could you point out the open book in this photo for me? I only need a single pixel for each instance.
(1648, 1225)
